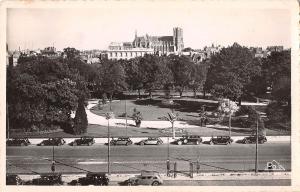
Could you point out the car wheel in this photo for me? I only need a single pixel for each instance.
(22, 144)
(246, 142)
(227, 143)
(155, 183)
(142, 143)
(127, 143)
(197, 142)
(75, 144)
(88, 144)
(179, 143)
(211, 142)
(42, 144)
(129, 183)
(185, 141)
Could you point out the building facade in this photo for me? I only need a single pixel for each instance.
(141, 45)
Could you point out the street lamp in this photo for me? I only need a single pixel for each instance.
(256, 145)
(172, 118)
(108, 116)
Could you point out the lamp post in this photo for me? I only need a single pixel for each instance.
(108, 116)
(125, 117)
(256, 144)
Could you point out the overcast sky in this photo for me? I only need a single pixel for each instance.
(95, 28)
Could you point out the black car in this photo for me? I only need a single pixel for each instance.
(252, 139)
(83, 141)
(91, 179)
(121, 141)
(221, 140)
(47, 179)
(52, 142)
(17, 142)
(189, 139)
(13, 180)
(151, 141)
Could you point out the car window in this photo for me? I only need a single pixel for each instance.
(154, 177)
(143, 177)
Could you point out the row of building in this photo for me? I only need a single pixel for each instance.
(139, 46)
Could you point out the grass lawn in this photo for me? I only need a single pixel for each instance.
(153, 110)
(188, 110)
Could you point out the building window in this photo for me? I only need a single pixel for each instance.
(116, 54)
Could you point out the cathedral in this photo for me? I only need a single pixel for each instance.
(141, 45)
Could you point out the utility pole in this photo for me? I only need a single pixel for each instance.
(256, 146)
(108, 149)
(108, 116)
(125, 116)
(53, 161)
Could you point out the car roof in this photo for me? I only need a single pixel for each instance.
(50, 174)
(96, 173)
(149, 173)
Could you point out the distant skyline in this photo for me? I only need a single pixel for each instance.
(95, 28)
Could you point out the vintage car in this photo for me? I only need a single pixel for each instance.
(221, 140)
(17, 142)
(150, 178)
(121, 141)
(47, 179)
(189, 139)
(85, 140)
(91, 179)
(252, 139)
(52, 142)
(12, 179)
(151, 141)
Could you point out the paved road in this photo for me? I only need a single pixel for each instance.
(265, 182)
(136, 158)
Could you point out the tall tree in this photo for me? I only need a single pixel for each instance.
(230, 70)
(71, 52)
(182, 68)
(112, 77)
(198, 77)
(156, 74)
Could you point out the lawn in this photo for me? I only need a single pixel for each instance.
(155, 109)
(188, 110)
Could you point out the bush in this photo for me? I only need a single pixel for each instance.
(80, 120)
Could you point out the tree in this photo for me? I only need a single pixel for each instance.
(227, 108)
(198, 77)
(156, 74)
(80, 120)
(134, 74)
(42, 93)
(71, 52)
(230, 71)
(112, 78)
(182, 68)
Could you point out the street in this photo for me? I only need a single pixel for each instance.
(133, 159)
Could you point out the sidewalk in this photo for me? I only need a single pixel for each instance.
(180, 177)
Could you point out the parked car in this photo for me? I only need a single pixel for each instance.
(221, 140)
(252, 139)
(121, 141)
(91, 179)
(85, 140)
(189, 139)
(13, 180)
(47, 179)
(17, 142)
(144, 179)
(52, 141)
(151, 141)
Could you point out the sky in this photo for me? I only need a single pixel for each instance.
(95, 28)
